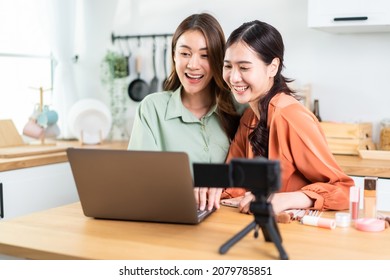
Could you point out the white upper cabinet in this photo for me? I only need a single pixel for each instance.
(349, 16)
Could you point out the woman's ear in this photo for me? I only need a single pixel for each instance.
(273, 67)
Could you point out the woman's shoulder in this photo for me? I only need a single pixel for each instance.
(285, 104)
(282, 100)
(289, 109)
(156, 99)
(157, 96)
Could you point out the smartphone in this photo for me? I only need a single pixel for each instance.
(232, 202)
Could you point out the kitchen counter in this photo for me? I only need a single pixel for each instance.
(356, 166)
(352, 165)
(12, 163)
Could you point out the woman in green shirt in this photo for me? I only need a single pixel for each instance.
(196, 112)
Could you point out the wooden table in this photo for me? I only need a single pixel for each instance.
(65, 233)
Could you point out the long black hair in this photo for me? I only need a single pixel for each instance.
(266, 41)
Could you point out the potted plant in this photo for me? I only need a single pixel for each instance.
(114, 74)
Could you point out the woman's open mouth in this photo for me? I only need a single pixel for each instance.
(240, 89)
(194, 77)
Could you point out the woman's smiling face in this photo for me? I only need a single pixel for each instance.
(192, 63)
(248, 77)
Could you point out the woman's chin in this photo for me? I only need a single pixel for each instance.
(241, 98)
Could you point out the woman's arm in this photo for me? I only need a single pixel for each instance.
(142, 134)
(280, 201)
(307, 163)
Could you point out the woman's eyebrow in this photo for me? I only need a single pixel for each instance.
(188, 47)
(239, 62)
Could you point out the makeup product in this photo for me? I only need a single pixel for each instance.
(343, 219)
(370, 224)
(318, 222)
(354, 199)
(316, 110)
(370, 197)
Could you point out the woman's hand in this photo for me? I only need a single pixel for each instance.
(280, 201)
(208, 198)
(290, 200)
(245, 203)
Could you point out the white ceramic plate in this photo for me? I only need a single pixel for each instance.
(90, 120)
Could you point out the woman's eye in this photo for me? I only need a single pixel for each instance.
(204, 55)
(185, 54)
(226, 66)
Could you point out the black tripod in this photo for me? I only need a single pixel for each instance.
(262, 177)
(264, 218)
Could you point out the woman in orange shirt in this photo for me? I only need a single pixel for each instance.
(277, 126)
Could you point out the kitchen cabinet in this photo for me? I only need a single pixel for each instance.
(349, 16)
(383, 192)
(36, 188)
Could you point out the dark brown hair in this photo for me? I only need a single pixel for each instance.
(267, 43)
(215, 40)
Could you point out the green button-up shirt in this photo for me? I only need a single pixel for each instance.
(162, 123)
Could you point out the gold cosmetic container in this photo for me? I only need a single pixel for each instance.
(369, 205)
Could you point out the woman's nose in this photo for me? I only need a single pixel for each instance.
(235, 75)
(193, 62)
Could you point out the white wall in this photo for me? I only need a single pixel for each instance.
(348, 73)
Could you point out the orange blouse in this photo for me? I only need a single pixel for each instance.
(297, 140)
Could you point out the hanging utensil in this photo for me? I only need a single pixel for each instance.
(138, 88)
(154, 81)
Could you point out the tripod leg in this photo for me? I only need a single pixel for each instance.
(266, 233)
(274, 235)
(226, 246)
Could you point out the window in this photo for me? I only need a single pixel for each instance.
(25, 60)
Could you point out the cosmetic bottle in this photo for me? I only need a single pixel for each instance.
(316, 110)
(370, 197)
(354, 199)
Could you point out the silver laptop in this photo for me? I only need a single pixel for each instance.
(135, 185)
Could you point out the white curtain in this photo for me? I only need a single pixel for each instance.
(61, 34)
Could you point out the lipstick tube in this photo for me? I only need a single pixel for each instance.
(318, 222)
(369, 204)
(354, 198)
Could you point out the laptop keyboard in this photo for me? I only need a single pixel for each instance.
(204, 213)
